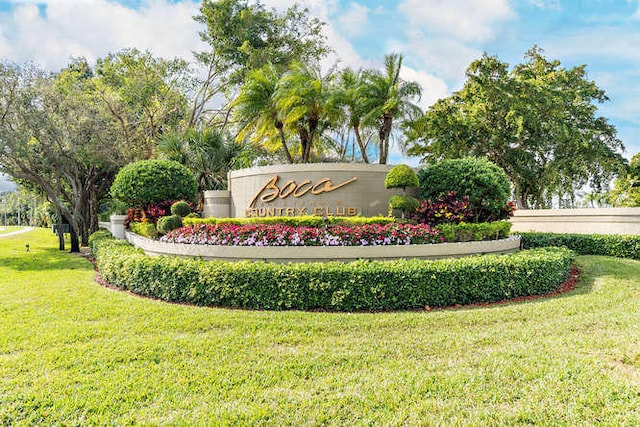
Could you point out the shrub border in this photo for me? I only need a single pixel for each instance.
(616, 245)
(355, 286)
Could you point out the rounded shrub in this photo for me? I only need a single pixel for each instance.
(485, 184)
(403, 203)
(150, 181)
(181, 208)
(401, 176)
(168, 223)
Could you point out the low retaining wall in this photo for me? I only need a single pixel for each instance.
(324, 253)
(581, 221)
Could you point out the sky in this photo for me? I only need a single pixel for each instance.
(438, 38)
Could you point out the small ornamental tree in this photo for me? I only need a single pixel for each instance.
(402, 176)
(146, 182)
(485, 184)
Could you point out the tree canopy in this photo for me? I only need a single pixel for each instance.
(537, 120)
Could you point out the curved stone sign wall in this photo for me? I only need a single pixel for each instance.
(323, 189)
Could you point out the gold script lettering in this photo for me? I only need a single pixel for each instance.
(270, 191)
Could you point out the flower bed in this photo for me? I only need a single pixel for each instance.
(287, 235)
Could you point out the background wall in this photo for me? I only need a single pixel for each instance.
(582, 221)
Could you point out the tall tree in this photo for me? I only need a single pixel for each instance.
(348, 95)
(538, 121)
(387, 98)
(145, 96)
(626, 187)
(242, 36)
(257, 112)
(304, 98)
(53, 136)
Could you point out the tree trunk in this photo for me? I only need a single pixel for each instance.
(384, 134)
(363, 149)
(287, 153)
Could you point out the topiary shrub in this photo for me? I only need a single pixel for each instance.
(401, 176)
(403, 203)
(150, 181)
(485, 184)
(168, 223)
(181, 208)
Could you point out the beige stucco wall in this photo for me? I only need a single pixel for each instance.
(324, 253)
(583, 221)
(365, 195)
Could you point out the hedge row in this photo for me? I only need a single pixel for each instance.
(621, 246)
(359, 285)
(296, 221)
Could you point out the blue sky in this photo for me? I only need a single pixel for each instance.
(439, 38)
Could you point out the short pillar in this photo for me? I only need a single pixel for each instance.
(217, 204)
(117, 225)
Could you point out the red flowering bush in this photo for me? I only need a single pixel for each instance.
(153, 212)
(448, 209)
(286, 235)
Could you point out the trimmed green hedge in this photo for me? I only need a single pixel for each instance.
(145, 229)
(296, 221)
(464, 232)
(359, 285)
(621, 246)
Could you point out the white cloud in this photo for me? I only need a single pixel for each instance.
(547, 4)
(94, 28)
(354, 21)
(470, 20)
(433, 88)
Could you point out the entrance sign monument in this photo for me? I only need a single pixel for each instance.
(321, 189)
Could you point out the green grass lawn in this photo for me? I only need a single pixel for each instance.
(73, 352)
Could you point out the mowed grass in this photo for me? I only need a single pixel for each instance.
(74, 353)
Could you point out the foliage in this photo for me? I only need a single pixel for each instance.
(447, 209)
(144, 96)
(360, 285)
(303, 97)
(145, 229)
(168, 223)
(57, 138)
(244, 36)
(99, 236)
(401, 176)
(209, 153)
(484, 184)
(181, 208)
(287, 235)
(538, 121)
(403, 203)
(296, 221)
(256, 109)
(626, 188)
(278, 234)
(387, 98)
(464, 232)
(149, 181)
(621, 246)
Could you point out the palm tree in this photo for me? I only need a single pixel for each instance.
(256, 108)
(303, 96)
(349, 95)
(209, 153)
(388, 97)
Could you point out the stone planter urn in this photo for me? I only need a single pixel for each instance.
(117, 225)
(217, 204)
